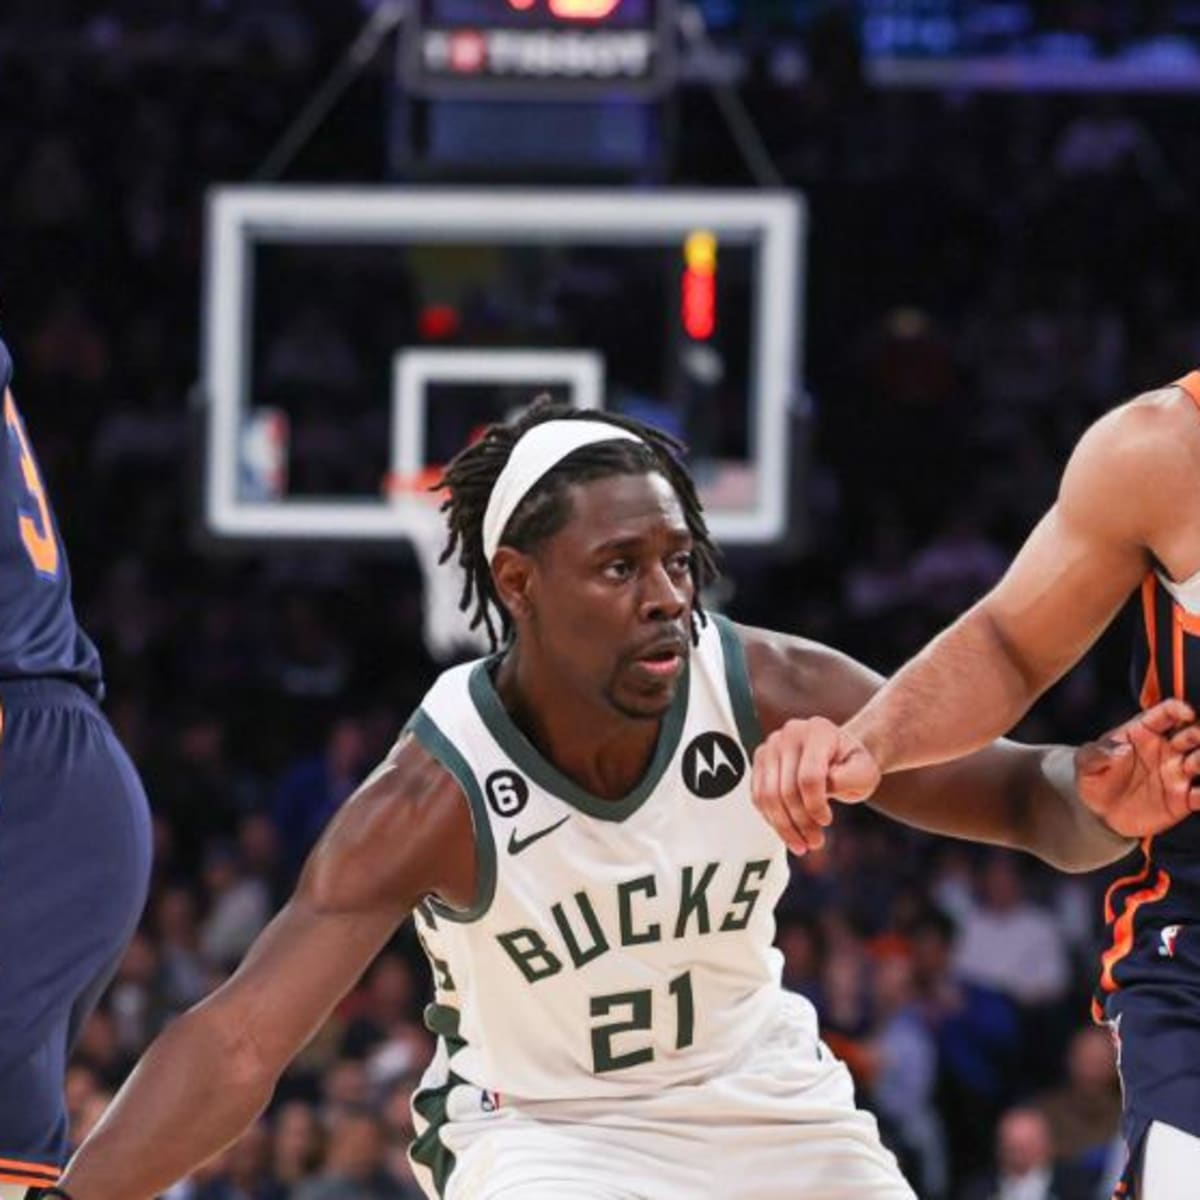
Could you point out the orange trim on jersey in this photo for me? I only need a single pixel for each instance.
(1097, 1012)
(1151, 692)
(28, 1181)
(1109, 914)
(1190, 383)
(1123, 928)
(13, 1170)
(1178, 665)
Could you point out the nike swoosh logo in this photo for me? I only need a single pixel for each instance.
(517, 844)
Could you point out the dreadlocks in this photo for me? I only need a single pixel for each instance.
(472, 473)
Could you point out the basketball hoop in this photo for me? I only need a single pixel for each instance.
(445, 627)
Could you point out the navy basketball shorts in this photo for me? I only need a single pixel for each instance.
(75, 851)
(1158, 1037)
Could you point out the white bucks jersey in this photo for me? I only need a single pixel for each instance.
(615, 947)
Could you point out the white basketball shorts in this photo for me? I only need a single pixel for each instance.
(780, 1123)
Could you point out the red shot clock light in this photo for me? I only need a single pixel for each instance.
(572, 10)
(698, 304)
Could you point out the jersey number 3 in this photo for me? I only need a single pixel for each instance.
(37, 530)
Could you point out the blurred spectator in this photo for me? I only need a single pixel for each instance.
(308, 660)
(209, 1175)
(1084, 1112)
(84, 1093)
(198, 787)
(99, 1050)
(1107, 140)
(903, 1090)
(1010, 944)
(845, 1011)
(298, 1144)
(312, 790)
(957, 567)
(136, 999)
(1017, 947)
(239, 906)
(222, 648)
(1025, 1165)
(260, 853)
(354, 1167)
(381, 1029)
(88, 1115)
(345, 1084)
(879, 584)
(799, 940)
(977, 1033)
(399, 1130)
(185, 974)
(385, 997)
(245, 1170)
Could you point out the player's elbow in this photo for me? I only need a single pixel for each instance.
(1026, 679)
(1063, 855)
(1063, 836)
(224, 1039)
(1067, 861)
(1089, 853)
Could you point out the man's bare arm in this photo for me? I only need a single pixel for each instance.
(1024, 797)
(1119, 497)
(405, 833)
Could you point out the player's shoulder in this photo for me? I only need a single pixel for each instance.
(415, 779)
(405, 833)
(1145, 450)
(793, 676)
(1161, 422)
(411, 769)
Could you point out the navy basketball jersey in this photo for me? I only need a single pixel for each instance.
(39, 635)
(1146, 910)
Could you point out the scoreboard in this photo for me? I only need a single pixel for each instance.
(540, 48)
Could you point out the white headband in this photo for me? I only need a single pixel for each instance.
(539, 450)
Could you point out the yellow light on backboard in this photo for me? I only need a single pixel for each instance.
(700, 252)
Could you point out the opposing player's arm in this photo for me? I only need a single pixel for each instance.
(1023, 797)
(1118, 497)
(406, 833)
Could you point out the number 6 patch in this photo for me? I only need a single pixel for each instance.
(507, 792)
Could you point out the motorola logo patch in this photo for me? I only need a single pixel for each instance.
(713, 765)
(507, 792)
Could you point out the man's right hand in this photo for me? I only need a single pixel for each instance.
(799, 768)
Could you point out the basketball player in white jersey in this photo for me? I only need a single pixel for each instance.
(571, 820)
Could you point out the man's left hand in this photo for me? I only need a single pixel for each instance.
(1140, 779)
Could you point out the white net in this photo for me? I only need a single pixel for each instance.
(445, 630)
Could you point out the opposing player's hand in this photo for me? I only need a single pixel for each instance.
(799, 769)
(1139, 779)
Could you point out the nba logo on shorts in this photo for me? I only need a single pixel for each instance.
(1166, 941)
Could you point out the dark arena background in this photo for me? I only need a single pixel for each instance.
(266, 263)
